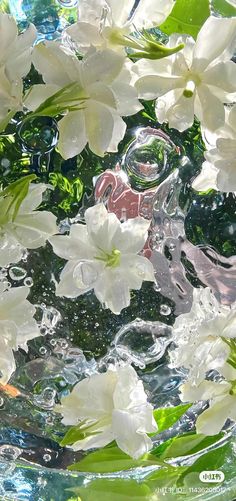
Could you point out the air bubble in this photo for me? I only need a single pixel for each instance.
(16, 273)
(42, 350)
(165, 310)
(28, 282)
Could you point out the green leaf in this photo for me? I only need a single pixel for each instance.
(167, 416)
(187, 17)
(108, 460)
(224, 8)
(216, 459)
(5, 121)
(12, 197)
(57, 179)
(114, 490)
(185, 445)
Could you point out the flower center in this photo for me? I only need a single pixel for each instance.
(111, 260)
(191, 83)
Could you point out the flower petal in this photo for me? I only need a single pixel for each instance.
(128, 435)
(8, 35)
(206, 390)
(32, 230)
(210, 46)
(207, 179)
(19, 60)
(212, 109)
(91, 11)
(67, 286)
(7, 361)
(99, 123)
(76, 246)
(56, 67)
(131, 235)
(72, 134)
(10, 249)
(181, 115)
(101, 226)
(211, 421)
(118, 133)
(135, 270)
(38, 94)
(152, 86)
(150, 13)
(112, 291)
(221, 75)
(85, 34)
(104, 65)
(120, 11)
(33, 199)
(127, 102)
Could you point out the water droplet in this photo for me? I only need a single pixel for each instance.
(165, 310)
(16, 273)
(1, 402)
(142, 342)
(172, 247)
(46, 399)
(47, 457)
(29, 282)
(38, 134)
(150, 157)
(9, 452)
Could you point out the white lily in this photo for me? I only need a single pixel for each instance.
(196, 81)
(102, 96)
(15, 62)
(222, 401)
(17, 326)
(219, 170)
(111, 406)
(108, 23)
(103, 255)
(29, 229)
(199, 336)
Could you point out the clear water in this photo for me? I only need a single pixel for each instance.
(192, 243)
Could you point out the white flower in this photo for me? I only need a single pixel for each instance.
(106, 23)
(16, 49)
(15, 62)
(115, 405)
(29, 229)
(103, 256)
(196, 81)
(219, 170)
(222, 401)
(102, 96)
(199, 336)
(17, 326)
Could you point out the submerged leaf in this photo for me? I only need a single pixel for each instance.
(111, 459)
(168, 416)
